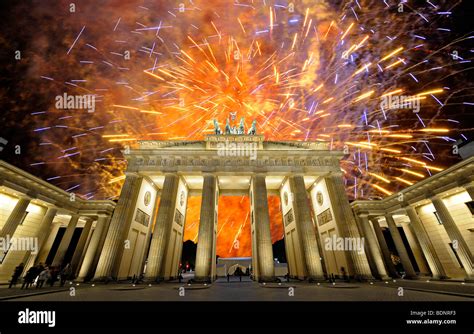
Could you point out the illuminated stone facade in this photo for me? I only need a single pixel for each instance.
(142, 234)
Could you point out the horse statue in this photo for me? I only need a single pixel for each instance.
(228, 129)
(253, 128)
(217, 129)
(241, 128)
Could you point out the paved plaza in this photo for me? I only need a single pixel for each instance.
(247, 290)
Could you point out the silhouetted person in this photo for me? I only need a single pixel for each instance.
(43, 276)
(65, 274)
(54, 275)
(16, 274)
(228, 277)
(344, 276)
(29, 278)
(239, 272)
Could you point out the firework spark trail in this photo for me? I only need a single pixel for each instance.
(304, 72)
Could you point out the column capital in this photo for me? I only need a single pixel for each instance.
(431, 195)
(170, 173)
(296, 174)
(466, 182)
(467, 185)
(363, 214)
(28, 196)
(88, 218)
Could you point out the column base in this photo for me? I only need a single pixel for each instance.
(204, 279)
(411, 277)
(104, 279)
(469, 279)
(153, 279)
(268, 279)
(316, 279)
(364, 278)
(436, 278)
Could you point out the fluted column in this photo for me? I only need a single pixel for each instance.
(48, 243)
(77, 256)
(426, 246)
(456, 237)
(372, 246)
(162, 230)
(470, 190)
(14, 219)
(119, 227)
(92, 249)
(400, 246)
(416, 250)
(384, 248)
(346, 225)
(305, 228)
(206, 236)
(262, 229)
(41, 235)
(65, 241)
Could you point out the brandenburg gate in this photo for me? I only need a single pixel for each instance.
(147, 227)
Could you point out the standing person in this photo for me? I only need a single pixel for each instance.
(43, 276)
(239, 272)
(65, 274)
(54, 275)
(16, 274)
(30, 276)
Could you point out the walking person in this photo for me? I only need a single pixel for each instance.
(16, 274)
(65, 274)
(45, 275)
(29, 278)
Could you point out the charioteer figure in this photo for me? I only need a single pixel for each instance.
(234, 130)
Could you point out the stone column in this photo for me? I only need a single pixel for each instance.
(93, 248)
(206, 237)
(470, 189)
(262, 229)
(416, 250)
(306, 228)
(14, 219)
(77, 257)
(119, 226)
(48, 243)
(65, 241)
(459, 244)
(384, 248)
(426, 246)
(400, 246)
(41, 235)
(373, 247)
(162, 230)
(346, 225)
